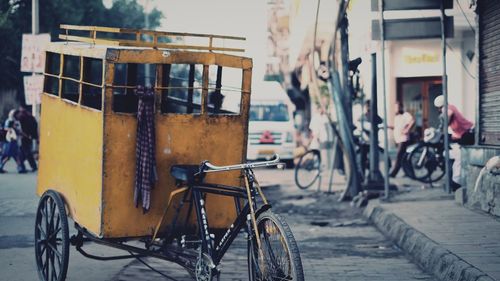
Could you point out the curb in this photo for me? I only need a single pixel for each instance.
(428, 254)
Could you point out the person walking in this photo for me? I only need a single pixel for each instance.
(403, 122)
(29, 128)
(11, 146)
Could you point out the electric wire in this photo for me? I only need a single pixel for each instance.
(466, 18)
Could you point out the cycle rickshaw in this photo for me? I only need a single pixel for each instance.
(88, 136)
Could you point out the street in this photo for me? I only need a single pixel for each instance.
(335, 241)
(18, 203)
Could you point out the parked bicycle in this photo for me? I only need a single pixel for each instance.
(425, 160)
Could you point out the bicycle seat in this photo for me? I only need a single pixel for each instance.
(186, 173)
(353, 64)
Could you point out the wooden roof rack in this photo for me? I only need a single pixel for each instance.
(139, 38)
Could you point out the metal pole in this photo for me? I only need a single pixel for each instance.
(346, 82)
(445, 94)
(375, 176)
(386, 144)
(34, 31)
(147, 70)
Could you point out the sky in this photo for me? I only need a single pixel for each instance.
(225, 17)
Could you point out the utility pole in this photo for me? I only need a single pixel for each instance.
(386, 144)
(35, 29)
(445, 95)
(346, 82)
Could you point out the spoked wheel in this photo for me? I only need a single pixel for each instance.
(51, 238)
(280, 257)
(426, 165)
(308, 169)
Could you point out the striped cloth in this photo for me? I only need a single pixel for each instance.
(145, 171)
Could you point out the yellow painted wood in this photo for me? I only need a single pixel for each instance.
(71, 152)
(135, 43)
(89, 155)
(181, 139)
(143, 31)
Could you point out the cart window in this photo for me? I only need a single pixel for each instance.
(70, 76)
(224, 93)
(52, 69)
(181, 88)
(92, 83)
(127, 77)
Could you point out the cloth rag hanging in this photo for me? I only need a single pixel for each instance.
(145, 171)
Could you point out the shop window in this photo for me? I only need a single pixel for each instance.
(224, 93)
(52, 69)
(127, 76)
(92, 83)
(70, 78)
(181, 88)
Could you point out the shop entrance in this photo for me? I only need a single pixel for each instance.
(417, 95)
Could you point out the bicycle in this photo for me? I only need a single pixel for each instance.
(427, 157)
(308, 169)
(272, 250)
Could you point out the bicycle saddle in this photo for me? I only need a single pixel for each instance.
(186, 173)
(353, 64)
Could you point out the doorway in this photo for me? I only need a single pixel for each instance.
(417, 95)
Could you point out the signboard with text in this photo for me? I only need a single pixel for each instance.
(32, 54)
(33, 87)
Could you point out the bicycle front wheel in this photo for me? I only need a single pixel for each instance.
(308, 169)
(279, 258)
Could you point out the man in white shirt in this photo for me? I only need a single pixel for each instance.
(403, 122)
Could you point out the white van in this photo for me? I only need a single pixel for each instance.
(271, 129)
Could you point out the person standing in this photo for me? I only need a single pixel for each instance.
(462, 132)
(403, 122)
(29, 128)
(11, 147)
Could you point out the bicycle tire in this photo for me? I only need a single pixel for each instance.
(308, 169)
(51, 237)
(421, 172)
(273, 266)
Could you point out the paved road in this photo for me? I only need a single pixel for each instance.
(346, 248)
(18, 203)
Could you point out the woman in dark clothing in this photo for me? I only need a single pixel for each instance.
(11, 146)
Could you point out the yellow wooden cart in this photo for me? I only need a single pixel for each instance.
(88, 129)
(199, 98)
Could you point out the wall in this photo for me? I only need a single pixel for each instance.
(487, 195)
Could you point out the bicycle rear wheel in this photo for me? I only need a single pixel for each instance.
(280, 259)
(426, 165)
(308, 169)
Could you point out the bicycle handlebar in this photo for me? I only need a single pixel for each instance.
(208, 167)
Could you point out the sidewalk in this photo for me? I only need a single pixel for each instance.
(444, 238)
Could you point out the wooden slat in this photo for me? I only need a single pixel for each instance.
(146, 31)
(132, 43)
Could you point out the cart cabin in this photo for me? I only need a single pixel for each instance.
(88, 125)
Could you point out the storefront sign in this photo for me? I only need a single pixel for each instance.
(32, 54)
(412, 57)
(33, 87)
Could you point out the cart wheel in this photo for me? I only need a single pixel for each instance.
(51, 238)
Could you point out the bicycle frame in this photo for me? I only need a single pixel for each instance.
(216, 252)
(246, 215)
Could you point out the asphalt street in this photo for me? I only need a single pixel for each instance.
(335, 241)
